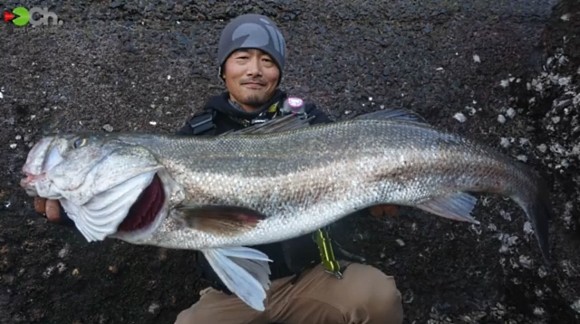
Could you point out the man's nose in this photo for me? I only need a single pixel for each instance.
(254, 67)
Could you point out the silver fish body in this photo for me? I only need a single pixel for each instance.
(220, 193)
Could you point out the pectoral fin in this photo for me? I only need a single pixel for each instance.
(220, 219)
(244, 271)
(457, 207)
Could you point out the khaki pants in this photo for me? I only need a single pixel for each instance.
(363, 295)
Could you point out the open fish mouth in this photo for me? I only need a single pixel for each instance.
(145, 209)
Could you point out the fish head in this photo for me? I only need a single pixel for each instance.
(96, 177)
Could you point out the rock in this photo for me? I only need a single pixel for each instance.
(63, 253)
(576, 306)
(511, 112)
(154, 308)
(460, 117)
(504, 142)
(108, 128)
(501, 119)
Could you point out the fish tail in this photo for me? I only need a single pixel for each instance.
(538, 208)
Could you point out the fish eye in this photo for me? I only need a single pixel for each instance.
(79, 142)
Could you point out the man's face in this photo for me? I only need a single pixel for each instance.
(251, 78)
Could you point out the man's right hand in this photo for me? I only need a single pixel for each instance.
(49, 207)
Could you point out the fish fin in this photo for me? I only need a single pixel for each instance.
(456, 207)
(539, 212)
(399, 114)
(244, 271)
(220, 219)
(280, 124)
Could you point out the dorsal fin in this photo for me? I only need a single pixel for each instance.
(399, 114)
(280, 124)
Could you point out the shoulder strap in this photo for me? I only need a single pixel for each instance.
(202, 123)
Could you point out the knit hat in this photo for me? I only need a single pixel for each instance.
(252, 31)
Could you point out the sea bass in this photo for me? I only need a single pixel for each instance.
(218, 194)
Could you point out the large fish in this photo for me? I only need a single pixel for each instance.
(218, 194)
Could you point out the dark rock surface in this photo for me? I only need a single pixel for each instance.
(147, 65)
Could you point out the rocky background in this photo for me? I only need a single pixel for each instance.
(503, 72)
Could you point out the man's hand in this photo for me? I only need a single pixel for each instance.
(384, 210)
(49, 207)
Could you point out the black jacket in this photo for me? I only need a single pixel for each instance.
(219, 115)
(226, 117)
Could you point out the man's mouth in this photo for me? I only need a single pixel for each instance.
(253, 85)
(145, 208)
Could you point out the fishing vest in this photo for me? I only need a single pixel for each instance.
(293, 256)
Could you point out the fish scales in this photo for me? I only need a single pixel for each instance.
(364, 159)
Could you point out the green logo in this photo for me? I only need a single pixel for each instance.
(23, 16)
(36, 16)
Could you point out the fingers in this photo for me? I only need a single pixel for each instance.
(49, 207)
(39, 204)
(52, 210)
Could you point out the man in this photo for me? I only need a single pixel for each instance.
(308, 286)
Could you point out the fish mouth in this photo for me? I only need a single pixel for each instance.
(145, 209)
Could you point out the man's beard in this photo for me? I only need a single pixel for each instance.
(255, 101)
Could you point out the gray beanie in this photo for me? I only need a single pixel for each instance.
(252, 31)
